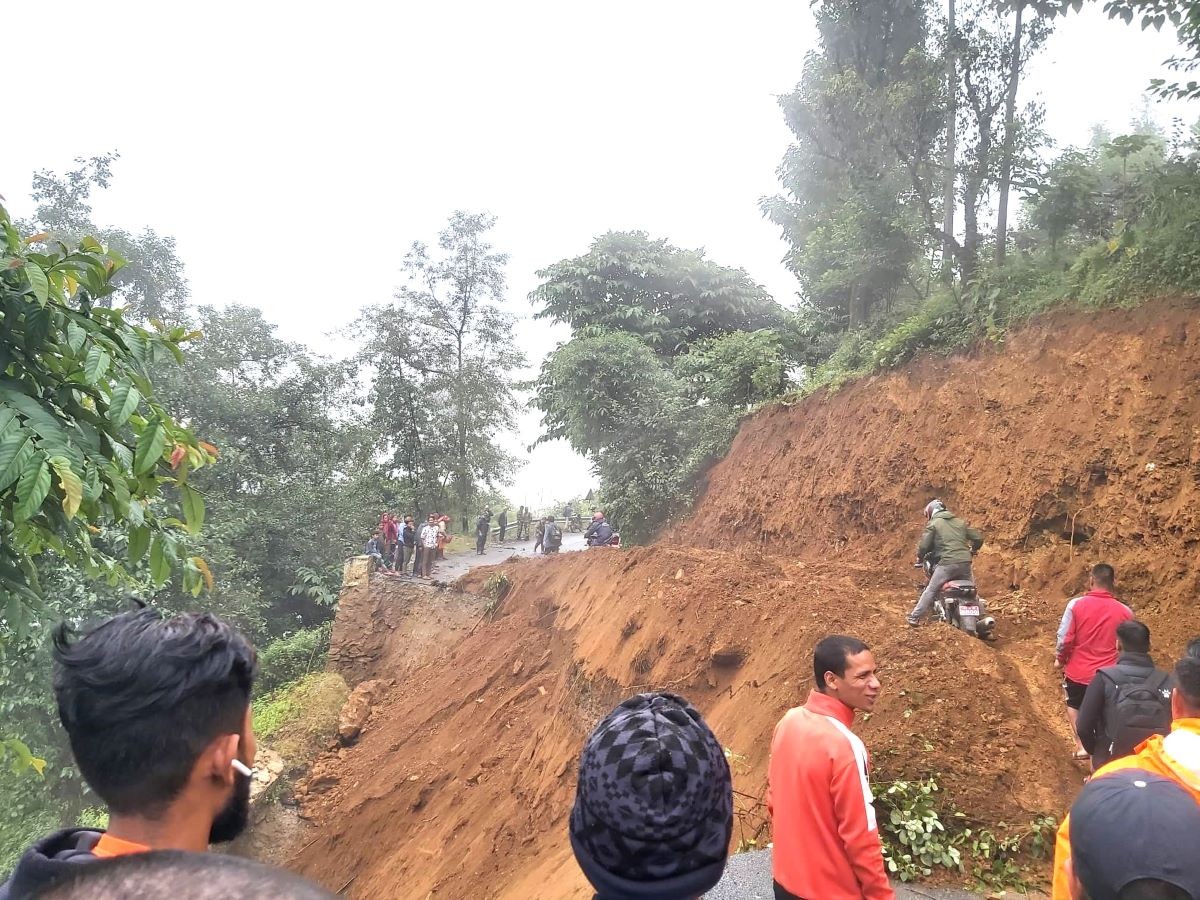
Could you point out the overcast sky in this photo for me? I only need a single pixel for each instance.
(295, 149)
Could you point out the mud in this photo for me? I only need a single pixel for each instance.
(1064, 450)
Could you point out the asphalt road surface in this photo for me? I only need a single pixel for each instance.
(748, 877)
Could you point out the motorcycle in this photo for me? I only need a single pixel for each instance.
(959, 604)
(614, 541)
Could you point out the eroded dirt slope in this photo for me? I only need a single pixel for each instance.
(462, 782)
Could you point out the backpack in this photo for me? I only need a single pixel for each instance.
(1136, 710)
(554, 536)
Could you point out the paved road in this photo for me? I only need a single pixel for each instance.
(458, 564)
(748, 877)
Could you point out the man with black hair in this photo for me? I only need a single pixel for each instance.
(158, 716)
(1175, 756)
(819, 796)
(177, 875)
(1125, 703)
(1087, 641)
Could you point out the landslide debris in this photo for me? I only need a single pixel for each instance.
(1072, 443)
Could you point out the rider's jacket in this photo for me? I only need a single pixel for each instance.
(948, 539)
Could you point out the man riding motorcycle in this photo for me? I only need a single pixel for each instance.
(599, 533)
(949, 543)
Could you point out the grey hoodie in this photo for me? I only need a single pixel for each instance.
(48, 860)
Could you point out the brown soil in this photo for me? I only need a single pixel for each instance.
(462, 781)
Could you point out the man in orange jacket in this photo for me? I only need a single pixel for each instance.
(826, 841)
(1176, 756)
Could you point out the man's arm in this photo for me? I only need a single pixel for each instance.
(926, 544)
(1066, 634)
(856, 827)
(975, 537)
(1087, 726)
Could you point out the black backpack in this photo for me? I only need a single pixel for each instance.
(1136, 709)
(553, 536)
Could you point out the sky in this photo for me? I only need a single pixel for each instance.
(294, 150)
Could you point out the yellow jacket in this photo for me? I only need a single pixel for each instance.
(1176, 756)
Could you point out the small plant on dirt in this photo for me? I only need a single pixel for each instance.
(996, 860)
(915, 840)
(497, 588)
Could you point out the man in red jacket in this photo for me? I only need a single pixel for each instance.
(826, 841)
(1087, 640)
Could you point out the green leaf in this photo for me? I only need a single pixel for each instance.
(123, 402)
(38, 281)
(160, 565)
(96, 364)
(32, 488)
(76, 335)
(193, 508)
(70, 483)
(14, 453)
(149, 449)
(139, 542)
(91, 244)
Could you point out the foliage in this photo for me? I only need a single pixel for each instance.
(915, 840)
(920, 834)
(740, 369)
(83, 440)
(152, 284)
(292, 656)
(667, 297)
(297, 719)
(442, 357)
(865, 116)
(298, 484)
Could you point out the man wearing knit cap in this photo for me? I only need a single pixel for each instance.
(819, 797)
(653, 812)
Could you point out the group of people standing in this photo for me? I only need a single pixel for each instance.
(400, 546)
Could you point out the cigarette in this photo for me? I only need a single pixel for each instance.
(239, 766)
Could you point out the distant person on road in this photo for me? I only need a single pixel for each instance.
(948, 544)
(374, 549)
(444, 537)
(819, 797)
(552, 538)
(502, 523)
(157, 711)
(427, 540)
(407, 545)
(391, 533)
(599, 533)
(482, 526)
(1087, 641)
(1176, 756)
(1125, 703)
(1161, 862)
(653, 811)
(178, 875)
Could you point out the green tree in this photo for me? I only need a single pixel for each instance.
(297, 486)
(667, 296)
(443, 357)
(861, 176)
(84, 443)
(151, 285)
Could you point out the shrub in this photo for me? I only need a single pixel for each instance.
(293, 656)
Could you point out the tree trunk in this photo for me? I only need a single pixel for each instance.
(951, 141)
(1006, 162)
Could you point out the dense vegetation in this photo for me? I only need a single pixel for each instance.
(161, 448)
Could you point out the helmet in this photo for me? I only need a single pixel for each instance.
(597, 516)
(934, 506)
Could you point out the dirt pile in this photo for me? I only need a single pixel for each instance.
(461, 782)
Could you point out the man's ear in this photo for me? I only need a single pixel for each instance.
(217, 759)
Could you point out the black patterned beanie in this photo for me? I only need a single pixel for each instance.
(653, 812)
